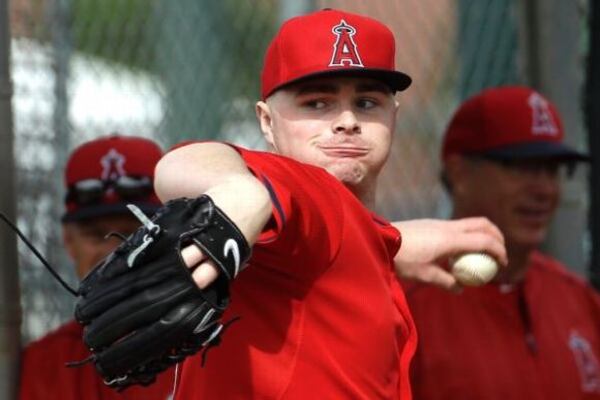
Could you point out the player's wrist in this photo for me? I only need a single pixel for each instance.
(246, 201)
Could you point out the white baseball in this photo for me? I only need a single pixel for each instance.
(474, 269)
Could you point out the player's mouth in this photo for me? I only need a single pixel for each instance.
(344, 151)
(534, 216)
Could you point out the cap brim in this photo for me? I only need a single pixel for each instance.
(103, 210)
(537, 150)
(396, 80)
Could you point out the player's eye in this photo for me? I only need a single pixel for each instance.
(92, 233)
(316, 104)
(366, 103)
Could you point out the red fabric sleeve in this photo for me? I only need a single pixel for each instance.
(307, 217)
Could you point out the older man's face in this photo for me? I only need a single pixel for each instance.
(518, 196)
(86, 241)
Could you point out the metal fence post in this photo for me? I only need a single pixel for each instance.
(62, 46)
(486, 45)
(10, 320)
(592, 113)
(551, 31)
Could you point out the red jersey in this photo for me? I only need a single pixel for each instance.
(44, 375)
(322, 314)
(539, 340)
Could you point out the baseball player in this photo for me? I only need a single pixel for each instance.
(534, 332)
(101, 176)
(322, 314)
(272, 260)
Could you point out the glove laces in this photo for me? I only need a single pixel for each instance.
(39, 256)
(153, 230)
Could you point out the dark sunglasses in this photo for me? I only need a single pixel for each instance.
(90, 191)
(553, 167)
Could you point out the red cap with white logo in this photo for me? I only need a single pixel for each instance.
(331, 42)
(507, 123)
(104, 175)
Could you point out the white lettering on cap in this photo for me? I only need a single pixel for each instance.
(542, 121)
(112, 165)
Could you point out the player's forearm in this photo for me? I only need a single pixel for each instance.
(192, 170)
(219, 171)
(246, 201)
(417, 258)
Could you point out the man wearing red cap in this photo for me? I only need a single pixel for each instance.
(102, 176)
(534, 332)
(322, 314)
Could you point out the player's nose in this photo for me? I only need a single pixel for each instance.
(346, 122)
(545, 186)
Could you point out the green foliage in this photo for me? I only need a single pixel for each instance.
(113, 29)
(125, 31)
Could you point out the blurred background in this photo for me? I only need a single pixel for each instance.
(71, 70)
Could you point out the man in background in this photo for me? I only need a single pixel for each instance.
(534, 332)
(102, 176)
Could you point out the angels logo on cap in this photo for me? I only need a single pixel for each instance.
(112, 165)
(542, 121)
(344, 49)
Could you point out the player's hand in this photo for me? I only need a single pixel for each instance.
(204, 270)
(219, 171)
(250, 213)
(141, 311)
(427, 244)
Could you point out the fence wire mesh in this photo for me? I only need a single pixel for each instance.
(176, 70)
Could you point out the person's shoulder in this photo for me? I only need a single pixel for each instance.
(67, 333)
(286, 169)
(551, 268)
(268, 156)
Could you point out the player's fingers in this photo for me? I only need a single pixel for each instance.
(481, 224)
(481, 242)
(492, 229)
(205, 274)
(192, 255)
(204, 270)
(433, 275)
(437, 276)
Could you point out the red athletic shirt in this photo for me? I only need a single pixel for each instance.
(322, 315)
(44, 375)
(535, 341)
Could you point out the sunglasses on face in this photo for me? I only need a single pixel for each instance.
(90, 191)
(532, 167)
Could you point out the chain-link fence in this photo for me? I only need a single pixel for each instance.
(175, 70)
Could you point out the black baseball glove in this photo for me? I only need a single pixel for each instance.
(141, 309)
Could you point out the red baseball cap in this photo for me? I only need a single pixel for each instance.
(331, 42)
(508, 122)
(104, 175)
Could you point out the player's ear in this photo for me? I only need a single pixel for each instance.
(68, 235)
(263, 113)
